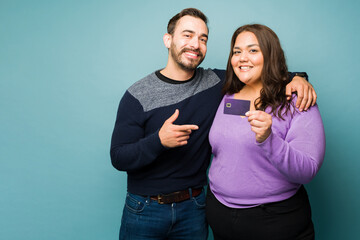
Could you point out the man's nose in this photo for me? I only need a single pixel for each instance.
(194, 42)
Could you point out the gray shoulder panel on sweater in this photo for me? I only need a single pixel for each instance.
(154, 93)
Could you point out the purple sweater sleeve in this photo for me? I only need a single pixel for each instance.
(299, 156)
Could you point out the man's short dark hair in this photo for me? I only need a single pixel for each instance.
(193, 12)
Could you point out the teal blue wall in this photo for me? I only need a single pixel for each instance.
(65, 64)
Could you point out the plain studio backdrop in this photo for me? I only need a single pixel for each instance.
(64, 65)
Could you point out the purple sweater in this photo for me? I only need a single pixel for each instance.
(245, 173)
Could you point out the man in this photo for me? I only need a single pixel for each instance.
(166, 158)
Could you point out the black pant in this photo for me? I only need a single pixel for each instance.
(289, 219)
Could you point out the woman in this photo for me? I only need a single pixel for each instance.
(261, 160)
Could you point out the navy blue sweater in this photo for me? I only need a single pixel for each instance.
(136, 148)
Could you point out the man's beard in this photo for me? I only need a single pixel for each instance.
(186, 66)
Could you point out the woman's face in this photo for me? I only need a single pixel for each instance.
(247, 59)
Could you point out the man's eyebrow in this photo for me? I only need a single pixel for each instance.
(191, 31)
(204, 35)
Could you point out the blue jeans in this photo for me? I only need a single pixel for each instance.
(144, 218)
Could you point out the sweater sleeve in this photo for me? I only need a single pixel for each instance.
(130, 148)
(300, 155)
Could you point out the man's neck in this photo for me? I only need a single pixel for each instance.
(177, 73)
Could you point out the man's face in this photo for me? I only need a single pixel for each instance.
(188, 44)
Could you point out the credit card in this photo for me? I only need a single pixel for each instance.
(236, 106)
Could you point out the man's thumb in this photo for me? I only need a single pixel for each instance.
(173, 117)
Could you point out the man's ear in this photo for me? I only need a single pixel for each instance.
(167, 40)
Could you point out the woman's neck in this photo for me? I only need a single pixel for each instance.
(249, 93)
